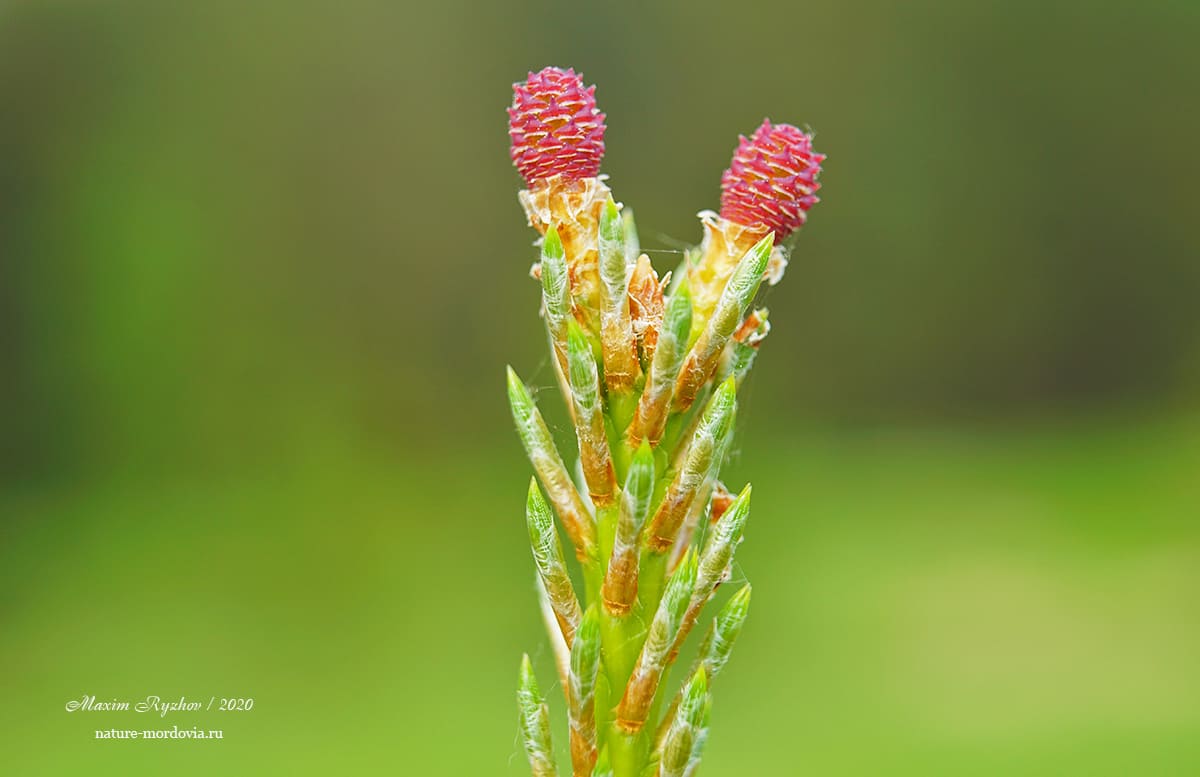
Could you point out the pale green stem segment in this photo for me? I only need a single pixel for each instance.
(548, 555)
(699, 464)
(643, 683)
(603, 765)
(539, 445)
(585, 668)
(679, 744)
(652, 408)
(717, 645)
(735, 298)
(535, 723)
(621, 580)
(616, 327)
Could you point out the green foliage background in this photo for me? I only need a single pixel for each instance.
(261, 266)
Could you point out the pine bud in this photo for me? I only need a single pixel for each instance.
(716, 648)
(699, 464)
(589, 417)
(548, 556)
(535, 723)
(556, 295)
(548, 465)
(643, 684)
(715, 561)
(652, 408)
(722, 542)
(621, 580)
(585, 666)
(616, 329)
(685, 728)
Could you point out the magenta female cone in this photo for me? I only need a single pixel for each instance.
(555, 127)
(772, 180)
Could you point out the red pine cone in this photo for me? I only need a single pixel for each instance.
(555, 127)
(772, 180)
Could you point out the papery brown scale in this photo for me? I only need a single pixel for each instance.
(595, 459)
(621, 582)
(646, 305)
(635, 704)
(749, 327)
(721, 500)
(620, 357)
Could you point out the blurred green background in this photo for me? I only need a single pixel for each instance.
(261, 265)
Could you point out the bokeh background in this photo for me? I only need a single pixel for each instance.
(261, 265)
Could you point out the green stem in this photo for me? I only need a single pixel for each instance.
(628, 753)
(593, 579)
(653, 566)
(604, 701)
(606, 531)
(621, 409)
(651, 580)
(622, 637)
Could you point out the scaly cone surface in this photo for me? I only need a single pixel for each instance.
(772, 180)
